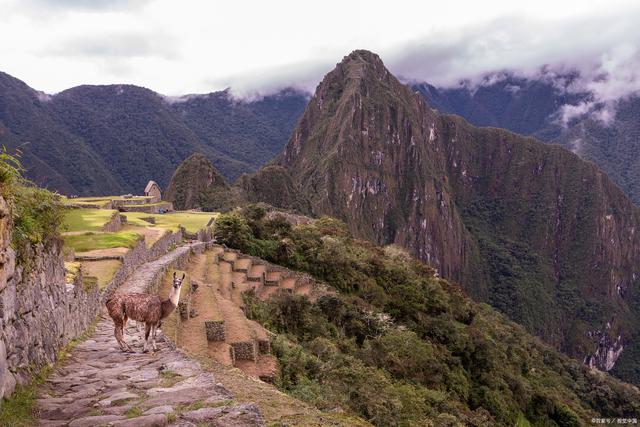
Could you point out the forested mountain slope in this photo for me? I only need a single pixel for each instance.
(531, 228)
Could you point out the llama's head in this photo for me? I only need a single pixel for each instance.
(177, 281)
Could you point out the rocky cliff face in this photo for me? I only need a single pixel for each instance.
(530, 228)
(39, 312)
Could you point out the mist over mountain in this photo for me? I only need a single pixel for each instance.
(93, 140)
(550, 108)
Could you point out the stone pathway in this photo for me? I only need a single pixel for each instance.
(100, 385)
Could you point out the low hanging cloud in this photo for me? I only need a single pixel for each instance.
(111, 45)
(202, 46)
(600, 53)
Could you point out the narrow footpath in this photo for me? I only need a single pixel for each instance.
(99, 385)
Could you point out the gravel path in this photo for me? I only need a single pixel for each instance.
(100, 385)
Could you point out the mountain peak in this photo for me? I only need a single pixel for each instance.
(362, 64)
(362, 55)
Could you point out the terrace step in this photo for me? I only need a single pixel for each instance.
(256, 273)
(288, 283)
(229, 257)
(265, 367)
(272, 278)
(238, 329)
(266, 291)
(242, 265)
(225, 279)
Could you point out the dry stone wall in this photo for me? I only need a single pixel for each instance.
(215, 330)
(39, 314)
(114, 224)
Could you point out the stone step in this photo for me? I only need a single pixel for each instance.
(272, 278)
(256, 273)
(288, 283)
(242, 265)
(229, 257)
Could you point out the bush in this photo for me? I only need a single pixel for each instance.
(399, 346)
(36, 212)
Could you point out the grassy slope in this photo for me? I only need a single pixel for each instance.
(444, 359)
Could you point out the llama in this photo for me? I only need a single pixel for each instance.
(145, 308)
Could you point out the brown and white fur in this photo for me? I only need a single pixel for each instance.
(146, 308)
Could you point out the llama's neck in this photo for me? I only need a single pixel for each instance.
(174, 296)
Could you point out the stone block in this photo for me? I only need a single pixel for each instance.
(215, 330)
(245, 350)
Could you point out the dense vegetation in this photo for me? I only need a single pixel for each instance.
(613, 146)
(96, 140)
(36, 213)
(399, 346)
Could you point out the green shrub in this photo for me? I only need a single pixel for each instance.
(36, 212)
(399, 346)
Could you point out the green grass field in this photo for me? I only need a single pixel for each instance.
(86, 219)
(191, 221)
(90, 241)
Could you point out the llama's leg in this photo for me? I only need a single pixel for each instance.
(118, 332)
(147, 332)
(154, 328)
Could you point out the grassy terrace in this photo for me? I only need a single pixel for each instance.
(90, 241)
(191, 221)
(103, 270)
(86, 219)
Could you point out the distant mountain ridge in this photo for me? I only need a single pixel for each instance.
(532, 106)
(540, 234)
(94, 140)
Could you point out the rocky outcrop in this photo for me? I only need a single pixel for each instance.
(197, 184)
(528, 227)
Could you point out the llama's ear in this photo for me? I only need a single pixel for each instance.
(174, 274)
(182, 276)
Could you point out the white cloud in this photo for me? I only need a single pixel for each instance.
(257, 47)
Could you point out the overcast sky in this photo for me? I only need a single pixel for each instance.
(178, 47)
